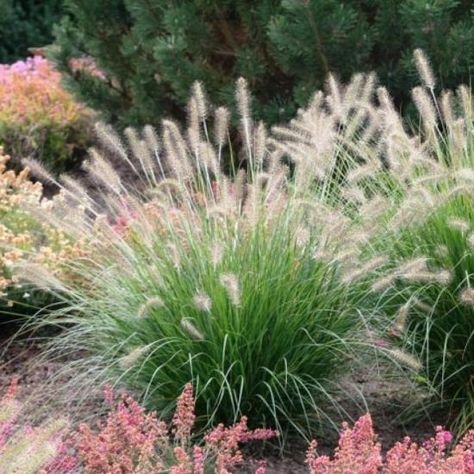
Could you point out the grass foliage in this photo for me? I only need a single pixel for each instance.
(259, 286)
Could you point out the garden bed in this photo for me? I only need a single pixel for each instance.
(385, 400)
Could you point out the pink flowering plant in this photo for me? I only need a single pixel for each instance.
(130, 441)
(359, 452)
(38, 118)
(133, 441)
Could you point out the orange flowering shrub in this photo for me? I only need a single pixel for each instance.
(23, 238)
(38, 118)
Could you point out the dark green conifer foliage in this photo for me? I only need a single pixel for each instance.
(25, 24)
(153, 50)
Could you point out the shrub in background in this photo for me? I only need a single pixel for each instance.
(151, 52)
(26, 24)
(38, 118)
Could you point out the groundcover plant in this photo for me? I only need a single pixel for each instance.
(258, 285)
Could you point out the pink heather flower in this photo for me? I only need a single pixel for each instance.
(225, 442)
(359, 454)
(184, 417)
(198, 460)
(357, 451)
(128, 442)
(184, 463)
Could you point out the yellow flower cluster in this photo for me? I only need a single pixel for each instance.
(23, 237)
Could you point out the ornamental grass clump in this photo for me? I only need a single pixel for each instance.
(417, 190)
(259, 284)
(245, 283)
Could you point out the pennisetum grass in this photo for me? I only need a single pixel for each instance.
(252, 284)
(232, 282)
(412, 193)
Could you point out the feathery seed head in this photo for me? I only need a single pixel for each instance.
(443, 277)
(425, 107)
(402, 316)
(231, 283)
(467, 297)
(373, 264)
(416, 302)
(134, 356)
(383, 283)
(447, 108)
(194, 118)
(302, 236)
(260, 138)
(202, 301)
(405, 359)
(200, 99)
(242, 96)
(38, 170)
(151, 138)
(465, 96)
(424, 69)
(189, 327)
(459, 224)
(217, 253)
(221, 125)
(470, 240)
(155, 302)
(111, 140)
